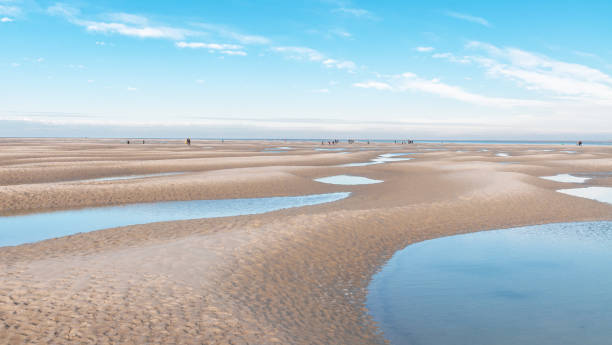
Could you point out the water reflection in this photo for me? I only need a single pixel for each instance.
(548, 284)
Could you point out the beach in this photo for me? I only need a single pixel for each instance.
(293, 276)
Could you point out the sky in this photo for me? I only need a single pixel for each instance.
(434, 69)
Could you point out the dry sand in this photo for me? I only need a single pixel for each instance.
(297, 276)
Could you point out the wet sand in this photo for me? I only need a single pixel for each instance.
(296, 276)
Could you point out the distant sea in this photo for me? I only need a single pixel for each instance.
(343, 140)
(439, 141)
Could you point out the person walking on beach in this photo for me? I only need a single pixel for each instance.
(188, 141)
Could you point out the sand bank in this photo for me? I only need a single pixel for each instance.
(290, 277)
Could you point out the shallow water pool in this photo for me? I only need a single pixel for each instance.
(347, 180)
(601, 194)
(380, 159)
(566, 178)
(16, 230)
(546, 285)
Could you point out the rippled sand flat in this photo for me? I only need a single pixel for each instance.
(295, 276)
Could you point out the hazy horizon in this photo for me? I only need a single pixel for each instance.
(314, 69)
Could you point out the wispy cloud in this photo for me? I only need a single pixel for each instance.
(424, 49)
(142, 32)
(300, 53)
(469, 18)
(309, 54)
(412, 82)
(540, 73)
(234, 52)
(341, 33)
(213, 46)
(10, 10)
(452, 57)
(226, 32)
(6, 20)
(63, 10)
(373, 85)
(585, 54)
(355, 12)
(320, 91)
(121, 23)
(128, 18)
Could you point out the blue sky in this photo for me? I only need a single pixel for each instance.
(327, 68)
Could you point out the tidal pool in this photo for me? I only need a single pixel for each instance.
(383, 158)
(347, 180)
(396, 154)
(276, 149)
(566, 178)
(15, 230)
(547, 285)
(601, 194)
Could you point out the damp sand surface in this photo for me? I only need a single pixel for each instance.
(291, 276)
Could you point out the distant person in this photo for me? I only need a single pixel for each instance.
(580, 143)
(188, 141)
(128, 142)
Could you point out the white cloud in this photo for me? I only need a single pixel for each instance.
(424, 49)
(537, 72)
(90, 81)
(451, 57)
(199, 81)
(128, 18)
(355, 12)
(130, 88)
(6, 20)
(63, 10)
(321, 91)
(586, 55)
(347, 65)
(309, 54)
(142, 32)
(10, 10)
(213, 46)
(121, 23)
(412, 82)
(300, 53)
(15, 64)
(341, 33)
(373, 85)
(100, 43)
(234, 52)
(228, 33)
(469, 18)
